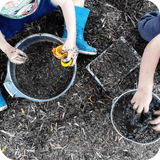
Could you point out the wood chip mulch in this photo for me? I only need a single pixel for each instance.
(77, 125)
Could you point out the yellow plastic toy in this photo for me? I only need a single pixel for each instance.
(66, 64)
(57, 52)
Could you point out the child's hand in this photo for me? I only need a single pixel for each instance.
(15, 55)
(156, 121)
(141, 100)
(72, 52)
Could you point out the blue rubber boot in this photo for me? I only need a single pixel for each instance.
(81, 19)
(3, 104)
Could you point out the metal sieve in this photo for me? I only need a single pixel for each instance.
(11, 83)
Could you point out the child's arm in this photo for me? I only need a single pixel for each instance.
(15, 55)
(143, 96)
(68, 10)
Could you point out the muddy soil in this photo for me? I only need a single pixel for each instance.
(132, 125)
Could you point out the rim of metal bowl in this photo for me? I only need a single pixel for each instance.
(12, 85)
(111, 114)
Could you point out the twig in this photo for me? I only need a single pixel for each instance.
(10, 134)
(120, 138)
(136, 18)
(2, 75)
(131, 20)
(91, 99)
(108, 5)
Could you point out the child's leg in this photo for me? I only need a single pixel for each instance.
(79, 3)
(149, 25)
(81, 19)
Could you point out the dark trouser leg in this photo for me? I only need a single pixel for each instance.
(9, 27)
(149, 25)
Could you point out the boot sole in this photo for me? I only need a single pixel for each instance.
(3, 108)
(87, 53)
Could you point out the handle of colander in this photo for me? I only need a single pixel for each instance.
(11, 88)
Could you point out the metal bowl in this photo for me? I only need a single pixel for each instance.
(115, 100)
(11, 83)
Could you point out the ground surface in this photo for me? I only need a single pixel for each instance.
(77, 126)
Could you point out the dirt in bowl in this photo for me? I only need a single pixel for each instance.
(43, 76)
(132, 125)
